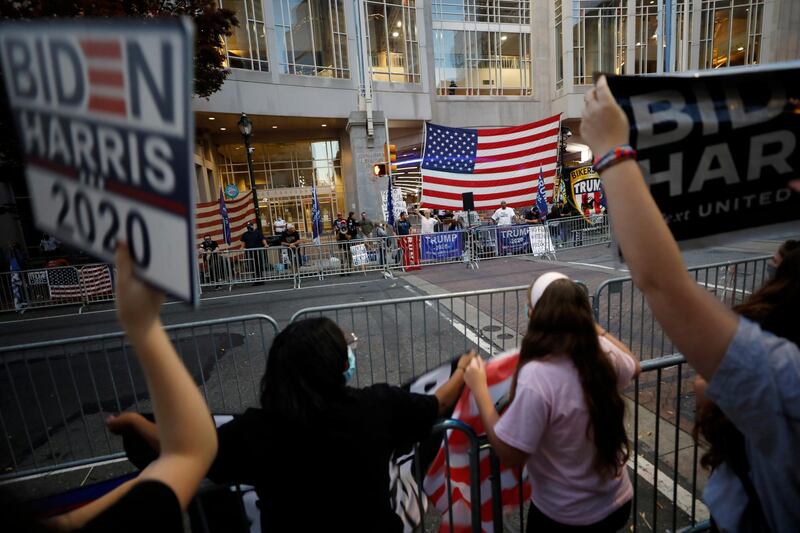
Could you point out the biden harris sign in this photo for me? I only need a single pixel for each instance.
(717, 148)
(102, 110)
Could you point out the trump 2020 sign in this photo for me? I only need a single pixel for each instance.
(102, 109)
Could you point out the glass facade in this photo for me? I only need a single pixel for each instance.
(312, 38)
(730, 32)
(247, 46)
(284, 174)
(598, 36)
(393, 40)
(559, 43)
(482, 47)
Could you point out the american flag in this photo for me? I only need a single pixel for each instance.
(209, 219)
(495, 164)
(106, 75)
(77, 282)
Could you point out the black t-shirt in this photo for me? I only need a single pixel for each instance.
(209, 246)
(253, 239)
(403, 227)
(148, 506)
(531, 214)
(334, 474)
(352, 227)
(289, 238)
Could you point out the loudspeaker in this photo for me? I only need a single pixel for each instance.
(468, 200)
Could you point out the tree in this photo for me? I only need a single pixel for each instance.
(212, 23)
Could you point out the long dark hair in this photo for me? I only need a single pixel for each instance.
(305, 369)
(776, 307)
(562, 323)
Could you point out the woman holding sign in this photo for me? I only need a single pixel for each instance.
(753, 376)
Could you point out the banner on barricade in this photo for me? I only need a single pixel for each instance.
(717, 148)
(513, 240)
(540, 241)
(103, 113)
(442, 246)
(37, 277)
(410, 247)
(360, 255)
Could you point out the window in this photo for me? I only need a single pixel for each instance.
(312, 39)
(247, 46)
(559, 45)
(393, 43)
(730, 32)
(646, 36)
(482, 47)
(598, 39)
(284, 174)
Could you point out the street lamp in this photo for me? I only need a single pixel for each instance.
(246, 129)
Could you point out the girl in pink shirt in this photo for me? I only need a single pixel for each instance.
(565, 422)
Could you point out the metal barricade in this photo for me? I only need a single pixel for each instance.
(255, 265)
(402, 338)
(443, 247)
(54, 395)
(339, 258)
(52, 287)
(621, 308)
(577, 232)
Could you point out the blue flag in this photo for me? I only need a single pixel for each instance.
(223, 213)
(316, 216)
(389, 204)
(541, 199)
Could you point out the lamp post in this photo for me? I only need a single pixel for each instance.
(246, 129)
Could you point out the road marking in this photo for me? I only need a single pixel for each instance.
(62, 471)
(208, 299)
(598, 266)
(665, 487)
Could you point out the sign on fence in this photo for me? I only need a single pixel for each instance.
(102, 109)
(360, 255)
(717, 148)
(37, 277)
(442, 246)
(512, 240)
(540, 241)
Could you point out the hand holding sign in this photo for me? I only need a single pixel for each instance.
(137, 304)
(604, 125)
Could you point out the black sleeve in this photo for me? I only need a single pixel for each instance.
(239, 442)
(148, 506)
(411, 416)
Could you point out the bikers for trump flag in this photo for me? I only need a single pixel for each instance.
(495, 164)
(210, 219)
(717, 148)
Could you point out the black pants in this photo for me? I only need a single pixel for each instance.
(538, 522)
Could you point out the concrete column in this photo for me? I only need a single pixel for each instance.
(362, 189)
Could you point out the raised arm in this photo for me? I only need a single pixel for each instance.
(699, 325)
(448, 393)
(186, 432)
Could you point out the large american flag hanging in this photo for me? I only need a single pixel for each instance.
(209, 219)
(494, 164)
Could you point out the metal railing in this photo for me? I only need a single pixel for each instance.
(54, 395)
(621, 308)
(56, 286)
(256, 265)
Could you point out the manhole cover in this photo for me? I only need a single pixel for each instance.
(505, 336)
(491, 328)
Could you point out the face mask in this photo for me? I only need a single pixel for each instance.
(771, 269)
(351, 361)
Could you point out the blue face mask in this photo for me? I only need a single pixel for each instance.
(351, 360)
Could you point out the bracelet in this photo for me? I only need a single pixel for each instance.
(614, 156)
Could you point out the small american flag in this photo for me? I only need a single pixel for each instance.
(495, 164)
(105, 74)
(209, 219)
(76, 282)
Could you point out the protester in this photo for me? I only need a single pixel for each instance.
(729, 493)
(427, 221)
(403, 226)
(341, 231)
(383, 235)
(155, 499)
(213, 272)
(365, 225)
(291, 239)
(753, 376)
(255, 244)
(504, 216)
(314, 428)
(532, 215)
(352, 225)
(565, 421)
(280, 225)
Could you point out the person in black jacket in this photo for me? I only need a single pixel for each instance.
(317, 450)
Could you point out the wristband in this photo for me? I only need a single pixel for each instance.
(614, 156)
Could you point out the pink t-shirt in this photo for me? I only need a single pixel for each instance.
(548, 419)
